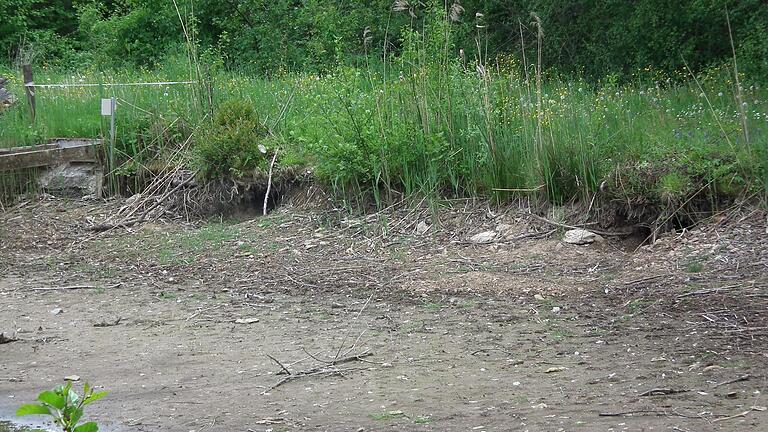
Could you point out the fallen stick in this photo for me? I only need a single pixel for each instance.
(75, 287)
(269, 184)
(315, 371)
(285, 369)
(735, 380)
(661, 391)
(708, 291)
(741, 414)
(656, 412)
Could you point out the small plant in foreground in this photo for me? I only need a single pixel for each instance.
(65, 406)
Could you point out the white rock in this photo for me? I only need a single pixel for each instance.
(555, 309)
(246, 320)
(422, 228)
(538, 297)
(581, 237)
(72, 378)
(483, 237)
(56, 311)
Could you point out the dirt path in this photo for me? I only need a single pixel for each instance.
(516, 335)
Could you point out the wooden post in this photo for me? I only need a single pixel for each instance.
(29, 88)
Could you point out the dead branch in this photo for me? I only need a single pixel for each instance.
(735, 380)
(741, 414)
(708, 291)
(285, 369)
(75, 287)
(662, 391)
(323, 370)
(344, 341)
(654, 412)
(269, 183)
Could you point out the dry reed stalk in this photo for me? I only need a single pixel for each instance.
(739, 96)
(539, 107)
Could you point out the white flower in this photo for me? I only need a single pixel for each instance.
(720, 94)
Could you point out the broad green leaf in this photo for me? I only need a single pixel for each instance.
(52, 398)
(73, 397)
(94, 397)
(75, 416)
(87, 427)
(30, 409)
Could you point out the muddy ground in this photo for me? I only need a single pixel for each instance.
(524, 334)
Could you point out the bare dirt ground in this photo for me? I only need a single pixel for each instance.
(524, 334)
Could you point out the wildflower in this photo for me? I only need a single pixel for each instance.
(701, 95)
(720, 94)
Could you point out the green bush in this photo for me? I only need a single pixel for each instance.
(236, 143)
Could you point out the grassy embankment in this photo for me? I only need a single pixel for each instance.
(445, 128)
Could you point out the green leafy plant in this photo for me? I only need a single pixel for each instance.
(65, 406)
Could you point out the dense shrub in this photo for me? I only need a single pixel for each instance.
(235, 144)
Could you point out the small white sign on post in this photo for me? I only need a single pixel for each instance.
(107, 107)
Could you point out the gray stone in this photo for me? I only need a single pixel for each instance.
(483, 237)
(422, 228)
(72, 180)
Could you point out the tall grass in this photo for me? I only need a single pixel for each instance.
(429, 121)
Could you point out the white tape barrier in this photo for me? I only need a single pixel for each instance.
(32, 84)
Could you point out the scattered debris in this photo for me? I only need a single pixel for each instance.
(108, 323)
(555, 369)
(57, 311)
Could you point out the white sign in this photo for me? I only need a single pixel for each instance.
(107, 107)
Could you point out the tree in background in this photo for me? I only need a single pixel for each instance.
(594, 38)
